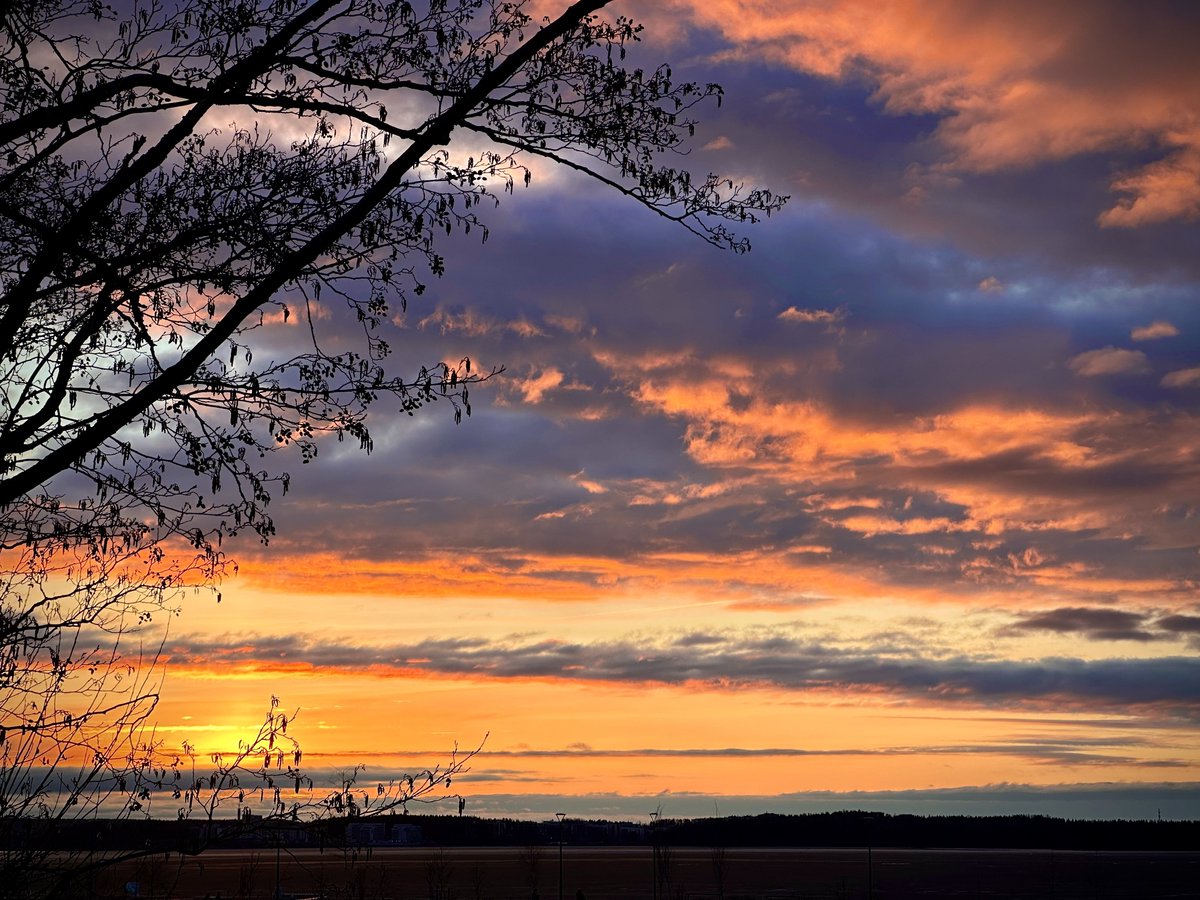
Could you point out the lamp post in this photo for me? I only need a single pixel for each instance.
(561, 816)
(654, 854)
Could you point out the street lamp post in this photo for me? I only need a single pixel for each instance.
(561, 816)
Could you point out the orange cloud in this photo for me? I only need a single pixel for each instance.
(763, 433)
(1160, 192)
(534, 388)
(1182, 378)
(1016, 84)
(730, 577)
(821, 316)
(1009, 470)
(1154, 331)
(590, 485)
(1109, 361)
(471, 323)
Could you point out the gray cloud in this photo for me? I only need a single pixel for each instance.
(776, 661)
(1037, 751)
(1041, 751)
(1097, 624)
(1180, 624)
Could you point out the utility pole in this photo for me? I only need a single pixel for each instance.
(561, 816)
(654, 854)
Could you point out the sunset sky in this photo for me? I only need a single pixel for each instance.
(901, 510)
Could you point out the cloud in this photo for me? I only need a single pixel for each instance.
(588, 484)
(1182, 378)
(769, 660)
(1154, 331)
(1051, 751)
(1180, 624)
(1109, 361)
(1160, 192)
(991, 285)
(824, 316)
(780, 426)
(471, 323)
(720, 142)
(534, 388)
(772, 467)
(1095, 624)
(1012, 87)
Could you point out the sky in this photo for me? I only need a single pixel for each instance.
(900, 510)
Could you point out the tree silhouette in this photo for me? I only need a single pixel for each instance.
(261, 782)
(188, 187)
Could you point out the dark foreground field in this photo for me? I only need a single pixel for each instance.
(625, 872)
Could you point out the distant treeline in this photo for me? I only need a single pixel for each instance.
(835, 829)
(858, 829)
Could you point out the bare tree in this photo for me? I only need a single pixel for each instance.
(184, 292)
(144, 248)
(262, 784)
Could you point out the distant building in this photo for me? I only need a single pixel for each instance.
(376, 834)
(406, 835)
(365, 833)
